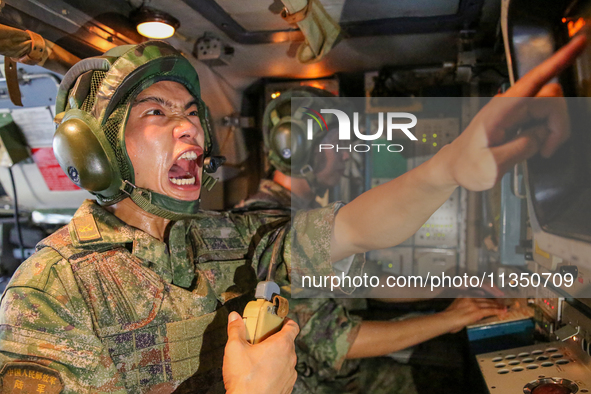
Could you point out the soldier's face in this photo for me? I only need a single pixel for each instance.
(164, 140)
(329, 165)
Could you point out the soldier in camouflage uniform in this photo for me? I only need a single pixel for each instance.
(322, 346)
(133, 295)
(328, 329)
(324, 363)
(104, 307)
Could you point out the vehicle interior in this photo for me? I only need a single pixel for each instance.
(248, 53)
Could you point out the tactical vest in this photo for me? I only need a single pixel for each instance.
(158, 333)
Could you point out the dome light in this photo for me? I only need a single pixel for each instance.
(152, 23)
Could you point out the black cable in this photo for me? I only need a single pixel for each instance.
(16, 221)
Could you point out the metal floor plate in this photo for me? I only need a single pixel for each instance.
(509, 371)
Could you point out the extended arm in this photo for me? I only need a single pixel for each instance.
(379, 338)
(389, 214)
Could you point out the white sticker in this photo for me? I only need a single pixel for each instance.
(36, 124)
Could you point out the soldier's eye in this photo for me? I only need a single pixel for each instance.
(156, 112)
(194, 113)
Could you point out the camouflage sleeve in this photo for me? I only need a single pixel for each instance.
(307, 249)
(327, 331)
(46, 336)
(303, 244)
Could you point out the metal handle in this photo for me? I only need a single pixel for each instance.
(515, 178)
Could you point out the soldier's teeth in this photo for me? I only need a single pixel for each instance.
(191, 155)
(181, 181)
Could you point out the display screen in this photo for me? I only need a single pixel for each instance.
(561, 185)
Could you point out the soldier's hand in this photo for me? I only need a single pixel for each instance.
(488, 147)
(267, 367)
(466, 311)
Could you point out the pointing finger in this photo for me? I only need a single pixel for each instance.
(531, 83)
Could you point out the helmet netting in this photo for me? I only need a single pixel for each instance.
(95, 84)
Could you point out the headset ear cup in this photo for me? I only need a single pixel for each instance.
(299, 147)
(281, 142)
(83, 153)
(288, 143)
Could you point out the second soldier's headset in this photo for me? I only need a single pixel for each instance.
(285, 130)
(92, 107)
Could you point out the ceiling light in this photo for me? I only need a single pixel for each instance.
(152, 23)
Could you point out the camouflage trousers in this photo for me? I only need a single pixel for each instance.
(379, 375)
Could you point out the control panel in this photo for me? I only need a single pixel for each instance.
(435, 247)
(581, 326)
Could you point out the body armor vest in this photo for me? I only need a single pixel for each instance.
(156, 331)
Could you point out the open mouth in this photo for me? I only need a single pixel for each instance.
(184, 171)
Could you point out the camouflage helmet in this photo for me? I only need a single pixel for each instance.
(97, 94)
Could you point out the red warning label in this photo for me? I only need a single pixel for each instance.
(54, 176)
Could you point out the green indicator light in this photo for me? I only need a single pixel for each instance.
(424, 140)
(435, 144)
(428, 234)
(424, 135)
(390, 265)
(434, 135)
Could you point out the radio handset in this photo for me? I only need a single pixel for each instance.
(264, 316)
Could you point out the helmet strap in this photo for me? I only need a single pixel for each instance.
(159, 204)
(307, 172)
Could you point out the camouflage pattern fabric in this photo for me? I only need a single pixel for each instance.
(327, 329)
(272, 195)
(115, 314)
(379, 375)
